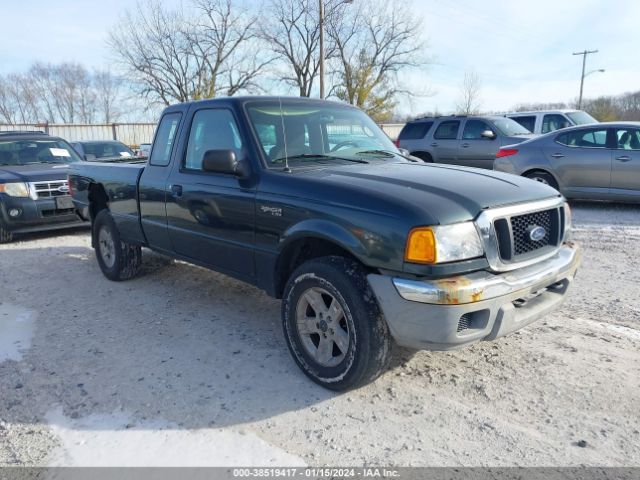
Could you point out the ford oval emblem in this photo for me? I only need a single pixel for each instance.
(63, 189)
(537, 233)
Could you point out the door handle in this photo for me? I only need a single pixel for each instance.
(557, 155)
(464, 145)
(176, 191)
(434, 144)
(623, 158)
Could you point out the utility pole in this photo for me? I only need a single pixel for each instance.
(584, 63)
(322, 49)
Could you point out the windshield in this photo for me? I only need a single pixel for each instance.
(509, 127)
(94, 150)
(28, 152)
(301, 133)
(581, 118)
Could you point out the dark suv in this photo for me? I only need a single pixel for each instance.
(472, 141)
(34, 191)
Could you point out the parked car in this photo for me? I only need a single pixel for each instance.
(600, 161)
(471, 141)
(34, 192)
(102, 150)
(310, 201)
(144, 150)
(541, 122)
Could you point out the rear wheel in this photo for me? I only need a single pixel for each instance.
(118, 260)
(543, 177)
(332, 324)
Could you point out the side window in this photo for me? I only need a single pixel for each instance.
(165, 137)
(473, 130)
(211, 129)
(528, 122)
(447, 130)
(584, 138)
(415, 131)
(553, 122)
(628, 139)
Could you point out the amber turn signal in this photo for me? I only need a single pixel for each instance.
(421, 246)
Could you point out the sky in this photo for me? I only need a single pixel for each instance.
(522, 51)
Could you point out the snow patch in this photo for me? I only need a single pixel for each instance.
(115, 439)
(16, 330)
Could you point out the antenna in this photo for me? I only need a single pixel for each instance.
(284, 136)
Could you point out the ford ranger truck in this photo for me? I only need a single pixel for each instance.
(310, 201)
(34, 193)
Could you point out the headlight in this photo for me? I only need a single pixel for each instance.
(15, 189)
(440, 244)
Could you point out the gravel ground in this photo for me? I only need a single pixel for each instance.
(193, 365)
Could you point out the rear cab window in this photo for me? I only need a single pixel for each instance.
(165, 139)
(415, 131)
(447, 130)
(528, 122)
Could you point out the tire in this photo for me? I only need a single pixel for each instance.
(425, 157)
(338, 354)
(118, 260)
(543, 177)
(5, 235)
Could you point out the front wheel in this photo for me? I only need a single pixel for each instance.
(118, 260)
(333, 326)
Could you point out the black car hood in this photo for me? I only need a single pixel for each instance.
(439, 193)
(37, 172)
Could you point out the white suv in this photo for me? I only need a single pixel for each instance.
(550, 120)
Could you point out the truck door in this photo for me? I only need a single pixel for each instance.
(152, 187)
(211, 216)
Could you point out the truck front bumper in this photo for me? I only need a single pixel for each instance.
(454, 312)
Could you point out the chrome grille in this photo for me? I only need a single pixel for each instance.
(54, 188)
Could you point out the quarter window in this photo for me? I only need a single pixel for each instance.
(165, 136)
(447, 130)
(473, 130)
(584, 138)
(211, 129)
(415, 131)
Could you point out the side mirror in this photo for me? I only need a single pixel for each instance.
(490, 134)
(405, 152)
(89, 157)
(223, 161)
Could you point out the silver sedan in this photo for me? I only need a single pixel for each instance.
(599, 161)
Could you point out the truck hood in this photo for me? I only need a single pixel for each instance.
(440, 194)
(40, 172)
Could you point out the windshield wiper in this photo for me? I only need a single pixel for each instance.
(385, 154)
(317, 157)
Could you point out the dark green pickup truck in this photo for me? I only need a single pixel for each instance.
(310, 201)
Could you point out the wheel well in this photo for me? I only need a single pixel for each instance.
(539, 170)
(426, 156)
(298, 252)
(98, 200)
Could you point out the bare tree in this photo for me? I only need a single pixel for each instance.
(150, 43)
(293, 33)
(224, 42)
(373, 42)
(18, 104)
(107, 88)
(469, 102)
